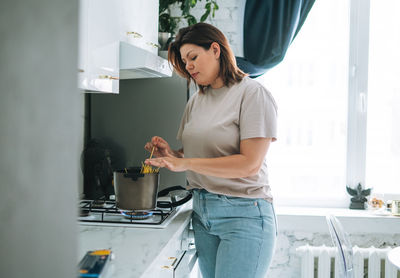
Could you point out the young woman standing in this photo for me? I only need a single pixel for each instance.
(226, 130)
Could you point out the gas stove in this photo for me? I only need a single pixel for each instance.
(105, 213)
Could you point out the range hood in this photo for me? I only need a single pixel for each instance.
(135, 62)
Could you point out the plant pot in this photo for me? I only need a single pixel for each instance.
(164, 39)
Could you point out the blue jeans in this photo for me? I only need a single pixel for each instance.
(234, 237)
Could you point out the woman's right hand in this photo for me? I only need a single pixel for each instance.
(161, 147)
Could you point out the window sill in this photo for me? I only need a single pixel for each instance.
(310, 219)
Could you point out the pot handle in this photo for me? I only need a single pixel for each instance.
(165, 192)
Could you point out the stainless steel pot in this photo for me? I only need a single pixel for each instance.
(135, 191)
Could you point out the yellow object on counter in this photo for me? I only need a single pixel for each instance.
(101, 252)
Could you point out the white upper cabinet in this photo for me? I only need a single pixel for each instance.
(83, 36)
(139, 23)
(104, 26)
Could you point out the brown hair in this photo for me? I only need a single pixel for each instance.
(203, 35)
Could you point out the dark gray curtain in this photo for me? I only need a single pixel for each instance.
(269, 28)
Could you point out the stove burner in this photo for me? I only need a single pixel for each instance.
(83, 212)
(98, 204)
(137, 215)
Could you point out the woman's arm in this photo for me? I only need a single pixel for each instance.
(244, 164)
(178, 153)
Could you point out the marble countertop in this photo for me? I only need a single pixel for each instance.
(134, 249)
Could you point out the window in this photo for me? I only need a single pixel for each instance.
(383, 121)
(322, 105)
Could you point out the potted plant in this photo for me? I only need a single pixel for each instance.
(168, 24)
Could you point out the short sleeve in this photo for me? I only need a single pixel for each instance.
(258, 114)
(185, 118)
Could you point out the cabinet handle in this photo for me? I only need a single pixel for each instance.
(172, 264)
(153, 44)
(81, 70)
(108, 77)
(135, 34)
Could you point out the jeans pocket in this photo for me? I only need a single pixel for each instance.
(267, 212)
(276, 222)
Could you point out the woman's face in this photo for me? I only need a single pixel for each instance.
(202, 65)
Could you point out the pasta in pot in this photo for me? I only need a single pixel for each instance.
(148, 169)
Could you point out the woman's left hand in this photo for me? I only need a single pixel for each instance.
(171, 163)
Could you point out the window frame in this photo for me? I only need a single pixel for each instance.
(357, 93)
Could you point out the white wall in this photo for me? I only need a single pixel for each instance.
(41, 136)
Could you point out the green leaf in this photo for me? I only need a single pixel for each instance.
(163, 6)
(164, 23)
(185, 7)
(191, 20)
(204, 16)
(168, 23)
(214, 9)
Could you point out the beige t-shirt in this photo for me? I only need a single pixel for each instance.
(213, 125)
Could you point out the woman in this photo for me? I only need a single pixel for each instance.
(226, 130)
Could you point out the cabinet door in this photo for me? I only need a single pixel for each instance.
(103, 24)
(83, 44)
(139, 23)
(98, 62)
(103, 45)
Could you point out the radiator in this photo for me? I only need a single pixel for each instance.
(320, 261)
